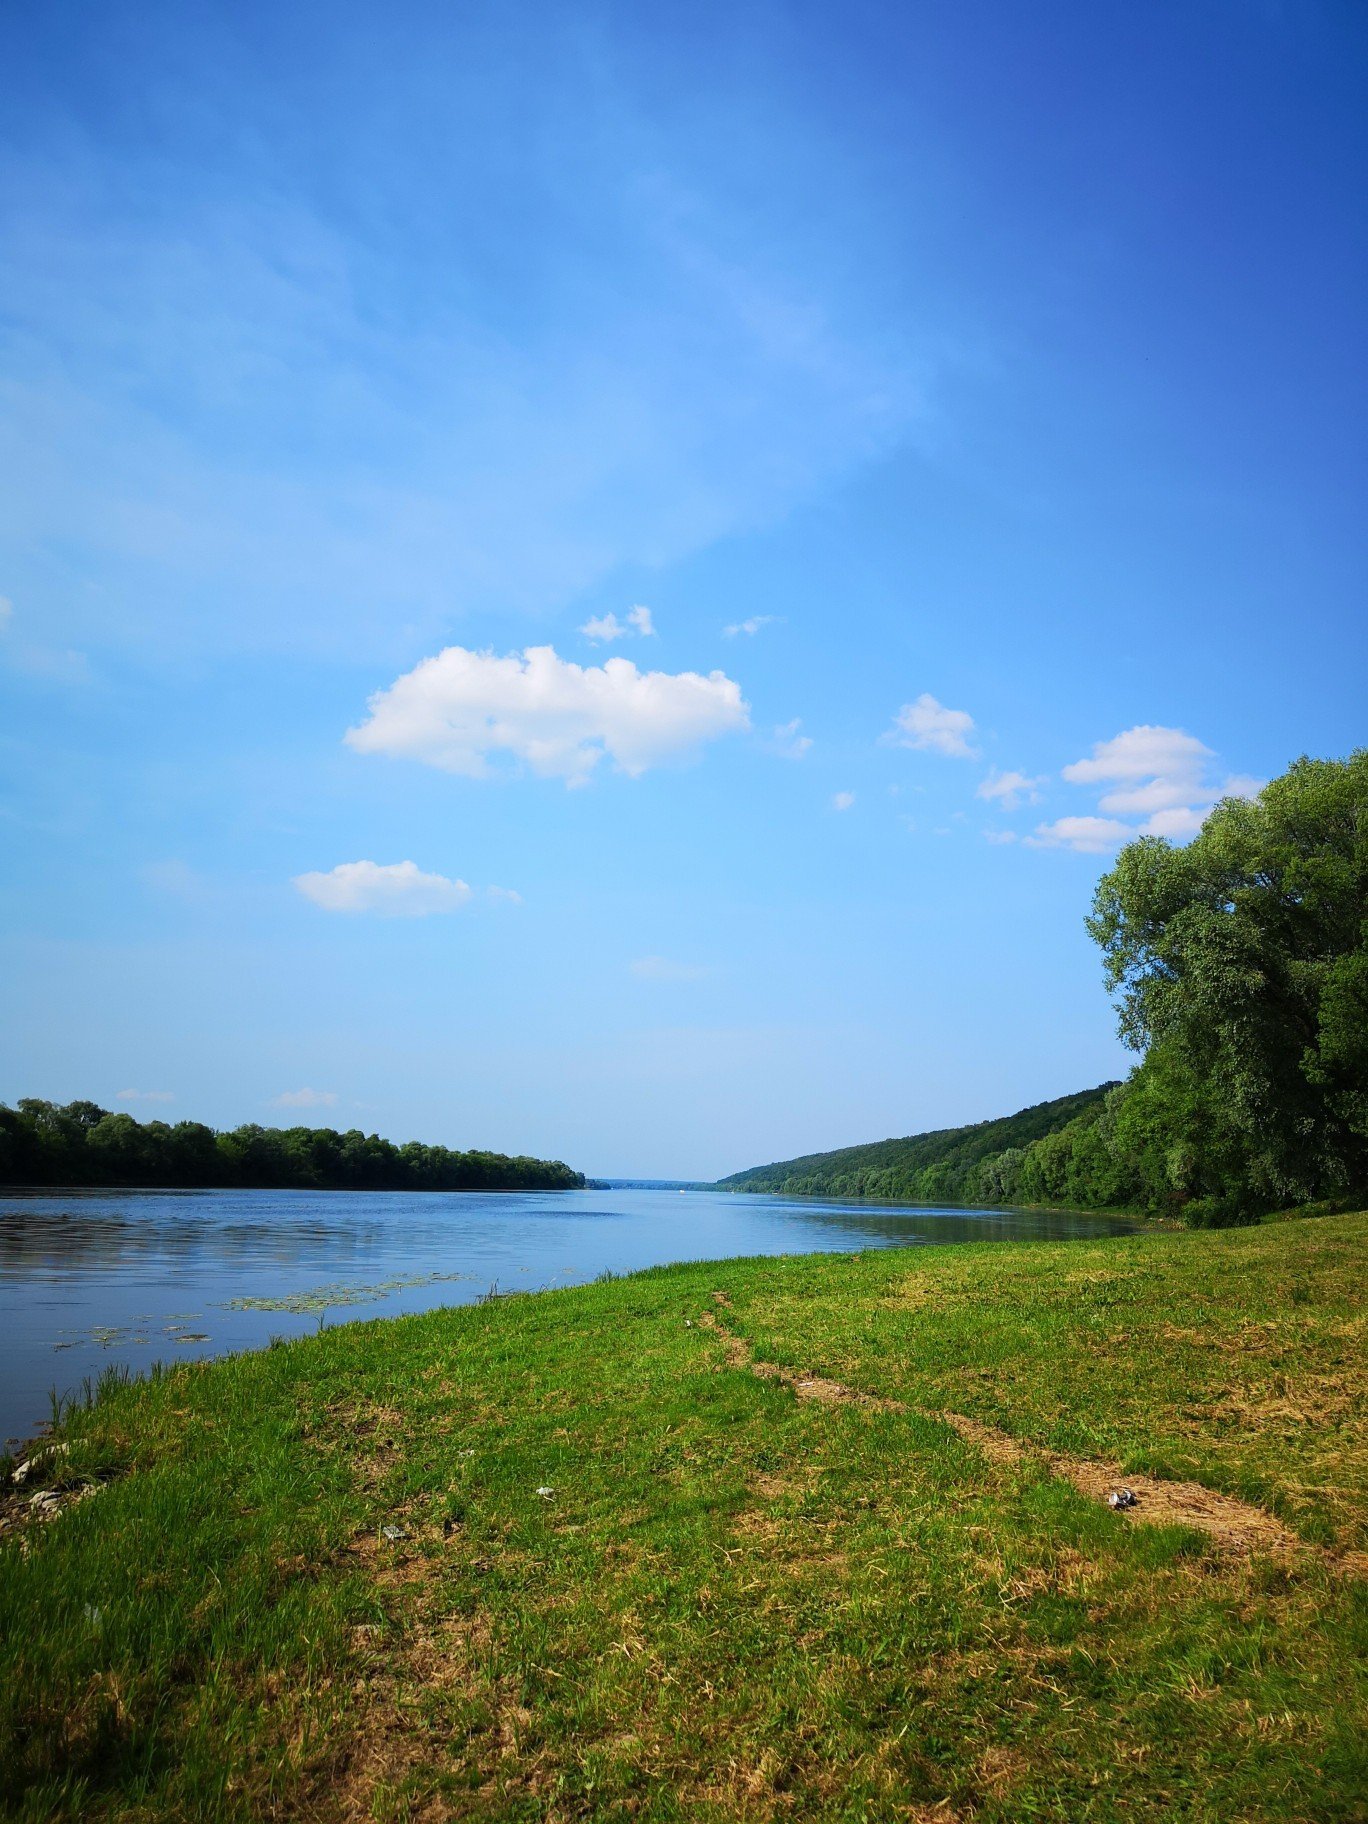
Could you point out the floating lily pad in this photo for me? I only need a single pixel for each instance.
(326, 1298)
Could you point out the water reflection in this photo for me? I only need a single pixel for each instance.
(86, 1277)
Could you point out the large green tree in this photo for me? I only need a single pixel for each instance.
(1240, 967)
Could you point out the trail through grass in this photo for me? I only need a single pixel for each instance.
(586, 1555)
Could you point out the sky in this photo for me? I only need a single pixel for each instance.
(604, 581)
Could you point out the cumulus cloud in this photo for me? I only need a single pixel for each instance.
(751, 626)
(304, 1098)
(145, 1095)
(398, 889)
(1159, 774)
(663, 969)
(930, 726)
(1010, 789)
(457, 709)
(842, 801)
(640, 618)
(1144, 752)
(788, 741)
(1084, 835)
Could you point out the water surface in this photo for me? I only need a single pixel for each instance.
(92, 1279)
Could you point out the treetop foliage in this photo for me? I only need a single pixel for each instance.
(81, 1143)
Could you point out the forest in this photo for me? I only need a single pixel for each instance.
(1239, 968)
(81, 1143)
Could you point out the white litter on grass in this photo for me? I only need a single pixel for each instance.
(393, 1532)
(1121, 1498)
(23, 1470)
(546, 1493)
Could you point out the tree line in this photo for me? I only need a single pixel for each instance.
(80, 1143)
(1239, 967)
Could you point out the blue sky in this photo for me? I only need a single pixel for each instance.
(968, 398)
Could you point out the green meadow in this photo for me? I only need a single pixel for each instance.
(752, 1540)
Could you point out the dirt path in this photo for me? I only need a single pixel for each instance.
(1234, 1526)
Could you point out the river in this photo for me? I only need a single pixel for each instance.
(93, 1279)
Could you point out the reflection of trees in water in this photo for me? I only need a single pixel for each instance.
(906, 1227)
(107, 1231)
(104, 1230)
(138, 1229)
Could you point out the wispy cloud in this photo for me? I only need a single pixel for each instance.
(788, 741)
(663, 969)
(397, 889)
(1010, 789)
(601, 628)
(702, 393)
(304, 1098)
(751, 626)
(178, 880)
(457, 710)
(928, 725)
(842, 801)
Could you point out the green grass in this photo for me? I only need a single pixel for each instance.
(734, 1604)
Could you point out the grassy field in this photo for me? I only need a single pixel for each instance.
(827, 1546)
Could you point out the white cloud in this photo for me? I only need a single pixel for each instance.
(145, 1095)
(662, 969)
(751, 626)
(603, 627)
(1010, 789)
(1242, 785)
(399, 889)
(1085, 835)
(304, 1098)
(999, 836)
(1179, 823)
(929, 725)
(1159, 774)
(1147, 769)
(455, 710)
(842, 801)
(1143, 752)
(505, 895)
(788, 742)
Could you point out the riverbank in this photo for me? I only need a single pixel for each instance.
(820, 1537)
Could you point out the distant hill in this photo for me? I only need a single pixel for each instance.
(950, 1164)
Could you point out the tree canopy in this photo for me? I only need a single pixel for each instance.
(81, 1143)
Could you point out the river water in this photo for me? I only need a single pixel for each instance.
(94, 1279)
